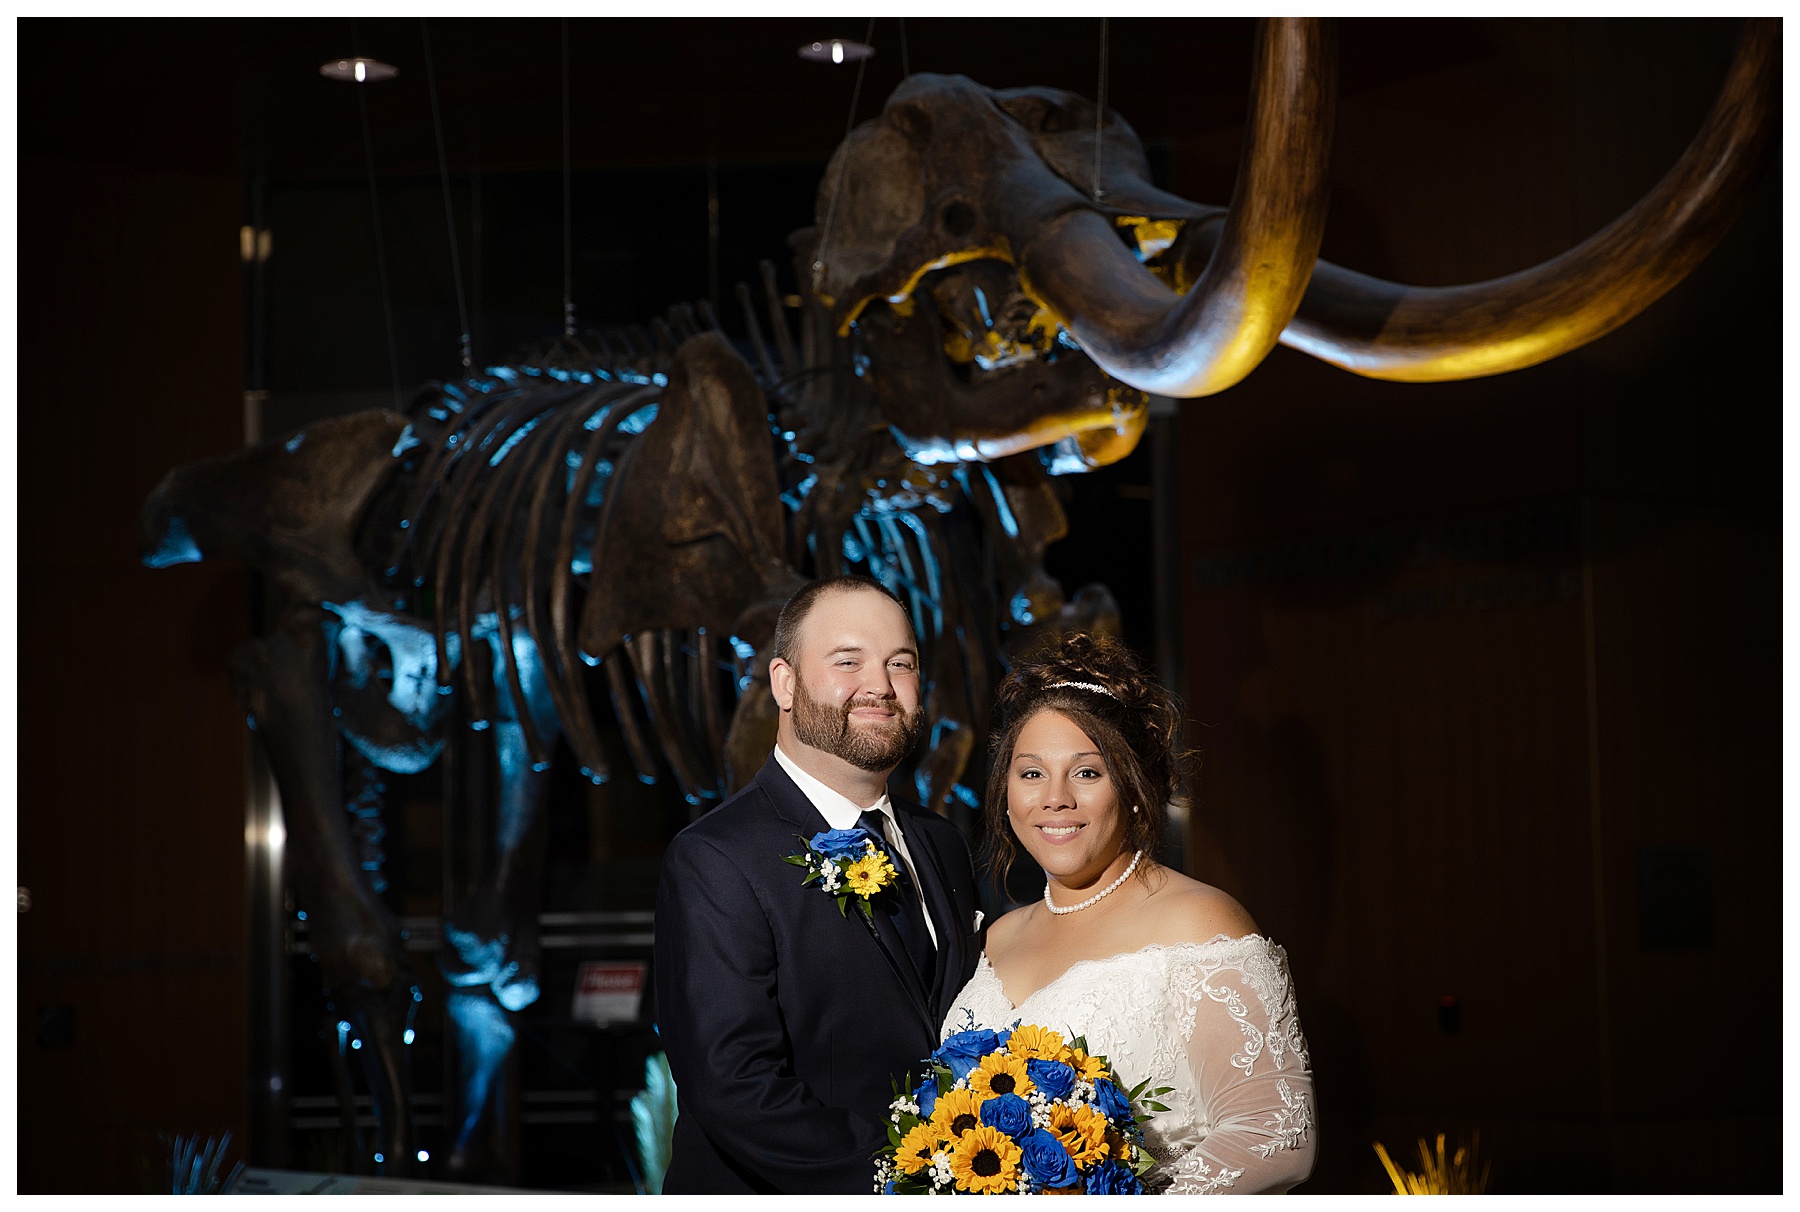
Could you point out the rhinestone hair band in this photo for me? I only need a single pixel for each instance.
(1096, 687)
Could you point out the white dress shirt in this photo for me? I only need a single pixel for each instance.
(842, 812)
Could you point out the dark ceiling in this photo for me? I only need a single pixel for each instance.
(246, 96)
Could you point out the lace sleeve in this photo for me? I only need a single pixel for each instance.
(1251, 1080)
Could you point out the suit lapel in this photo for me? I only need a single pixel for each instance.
(792, 806)
(937, 903)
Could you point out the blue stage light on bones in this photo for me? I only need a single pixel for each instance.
(518, 435)
(640, 420)
(1063, 458)
(177, 546)
(1008, 523)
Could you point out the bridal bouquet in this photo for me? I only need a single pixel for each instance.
(1018, 1111)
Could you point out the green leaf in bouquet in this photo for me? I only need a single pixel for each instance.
(946, 1079)
(843, 906)
(798, 860)
(893, 1134)
(1155, 1106)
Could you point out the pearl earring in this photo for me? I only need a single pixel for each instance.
(1134, 807)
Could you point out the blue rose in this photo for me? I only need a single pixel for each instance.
(1009, 1113)
(963, 1051)
(1110, 1178)
(889, 1189)
(1054, 1078)
(1113, 1103)
(926, 1097)
(1046, 1161)
(841, 843)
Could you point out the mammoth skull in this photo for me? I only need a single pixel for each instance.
(962, 233)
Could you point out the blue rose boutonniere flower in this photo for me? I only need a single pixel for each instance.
(1046, 1161)
(841, 843)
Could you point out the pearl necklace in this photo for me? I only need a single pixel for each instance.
(1059, 910)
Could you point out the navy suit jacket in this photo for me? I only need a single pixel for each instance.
(783, 1019)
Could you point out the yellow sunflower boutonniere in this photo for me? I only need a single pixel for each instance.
(849, 865)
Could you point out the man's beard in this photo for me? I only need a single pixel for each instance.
(868, 748)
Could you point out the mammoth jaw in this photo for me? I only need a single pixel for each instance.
(936, 418)
(1104, 433)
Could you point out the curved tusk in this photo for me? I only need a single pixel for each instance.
(1201, 342)
(1419, 334)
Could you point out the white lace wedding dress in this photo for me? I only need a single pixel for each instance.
(1217, 1022)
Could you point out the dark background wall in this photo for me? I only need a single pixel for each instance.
(1484, 675)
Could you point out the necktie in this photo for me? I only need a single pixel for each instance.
(903, 908)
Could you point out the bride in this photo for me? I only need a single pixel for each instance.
(1165, 976)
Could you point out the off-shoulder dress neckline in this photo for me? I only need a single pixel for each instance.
(1215, 941)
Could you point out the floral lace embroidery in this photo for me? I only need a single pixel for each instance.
(1140, 1009)
(1193, 1176)
(1289, 1125)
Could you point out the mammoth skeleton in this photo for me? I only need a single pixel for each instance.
(988, 299)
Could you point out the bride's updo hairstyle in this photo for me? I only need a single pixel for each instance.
(1131, 719)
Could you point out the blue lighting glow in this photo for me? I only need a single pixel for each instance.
(293, 443)
(379, 1158)
(518, 435)
(356, 1045)
(301, 915)
(424, 1156)
(1063, 458)
(406, 442)
(485, 1037)
(744, 649)
(794, 498)
(968, 797)
(177, 547)
(640, 420)
(1008, 523)
(408, 1037)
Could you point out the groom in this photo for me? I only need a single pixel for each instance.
(783, 1017)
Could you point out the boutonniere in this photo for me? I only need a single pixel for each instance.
(849, 865)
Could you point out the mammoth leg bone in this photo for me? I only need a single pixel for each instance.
(283, 682)
(490, 954)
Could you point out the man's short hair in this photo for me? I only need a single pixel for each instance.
(787, 626)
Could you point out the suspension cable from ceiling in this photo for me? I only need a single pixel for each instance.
(437, 123)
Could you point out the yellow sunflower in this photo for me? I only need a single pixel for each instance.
(1037, 1043)
(1082, 1131)
(916, 1148)
(985, 1161)
(956, 1112)
(1118, 1147)
(869, 874)
(1000, 1074)
(1087, 1068)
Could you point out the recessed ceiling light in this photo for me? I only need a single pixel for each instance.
(836, 50)
(358, 71)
